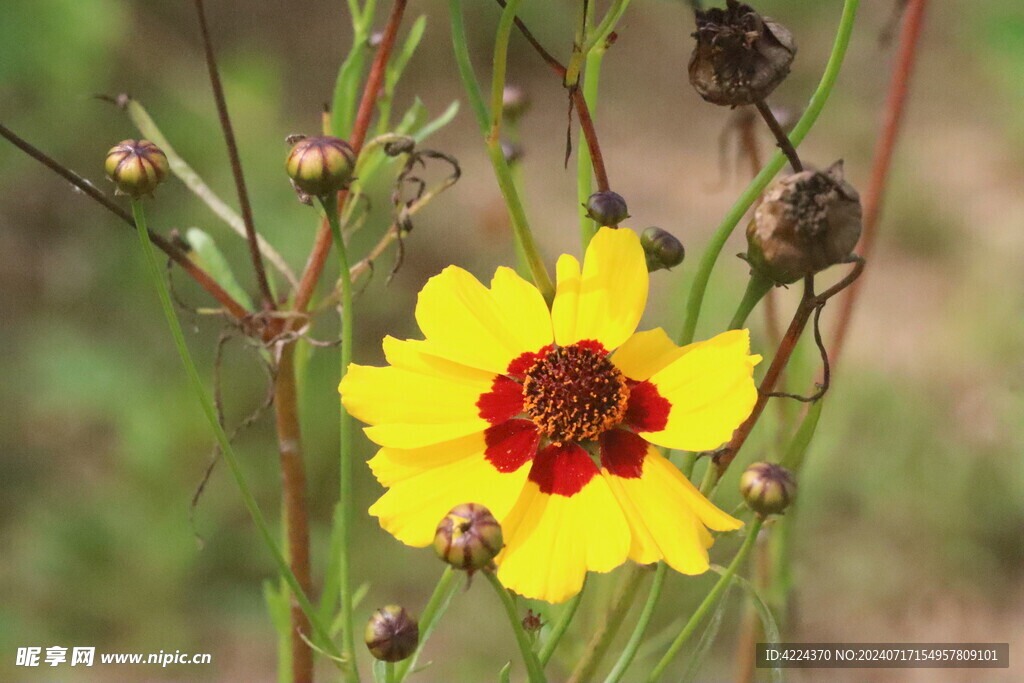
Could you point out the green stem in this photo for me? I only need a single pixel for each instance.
(757, 287)
(517, 215)
(389, 672)
(584, 174)
(432, 613)
(607, 25)
(156, 274)
(709, 602)
(572, 70)
(564, 619)
(757, 185)
(609, 627)
(535, 672)
(633, 644)
(330, 204)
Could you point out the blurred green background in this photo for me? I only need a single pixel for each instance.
(910, 522)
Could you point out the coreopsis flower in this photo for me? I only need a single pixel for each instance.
(552, 419)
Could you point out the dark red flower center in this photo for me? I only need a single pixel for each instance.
(574, 393)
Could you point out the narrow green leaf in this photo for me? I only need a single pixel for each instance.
(764, 613)
(707, 639)
(505, 675)
(210, 258)
(280, 616)
(794, 456)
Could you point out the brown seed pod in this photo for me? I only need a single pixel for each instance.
(661, 248)
(805, 223)
(320, 165)
(392, 634)
(768, 488)
(469, 537)
(136, 167)
(740, 56)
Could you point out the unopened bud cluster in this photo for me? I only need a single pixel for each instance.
(806, 222)
(661, 249)
(469, 537)
(392, 634)
(321, 165)
(768, 488)
(607, 208)
(136, 167)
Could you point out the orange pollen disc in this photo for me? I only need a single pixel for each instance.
(574, 393)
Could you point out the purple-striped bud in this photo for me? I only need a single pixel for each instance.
(469, 537)
(392, 634)
(321, 165)
(768, 488)
(136, 167)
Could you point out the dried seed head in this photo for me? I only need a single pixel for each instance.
(136, 167)
(469, 537)
(768, 488)
(805, 223)
(740, 56)
(607, 208)
(392, 634)
(320, 165)
(662, 249)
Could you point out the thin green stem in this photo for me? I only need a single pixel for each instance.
(709, 602)
(604, 29)
(609, 626)
(156, 274)
(584, 173)
(389, 672)
(757, 185)
(757, 287)
(534, 671)
(501, 41)
(584, 10)
(432, 613)
(633, 644)
(564, 619)
(330, 204)
(517, 215)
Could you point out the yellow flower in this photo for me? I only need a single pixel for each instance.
(551, 419)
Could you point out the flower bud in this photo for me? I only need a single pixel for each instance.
(514, 102)
(532, 622)
(512, 151)
(662, 249)
(607, 208)
(469, 537)
(321, 165)
(392, 634)
(136, 167)
(768, 488)
(740, 56)
(805, 223)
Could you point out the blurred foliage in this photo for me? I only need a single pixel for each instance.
(912, 493)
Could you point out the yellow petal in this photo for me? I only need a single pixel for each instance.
(667, 516)
(711, 391)
(552, 541)
(396, 395)
(417, 356)
(412, 507)
(470, 324)
(404, 435)
(609, 294)
(567, 299)
(645, 353)
(394, 465)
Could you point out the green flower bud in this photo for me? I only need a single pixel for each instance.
(321, 165)
(469, 537)
(392, 634)
(740, 56)
(607, 208)
(136, 167)
(805, 223)
(768, 488)
(661, 248)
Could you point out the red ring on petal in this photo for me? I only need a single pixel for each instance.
(511, 445)
(623, 453)
(503, 402)
(647, 410)
(562, 469)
